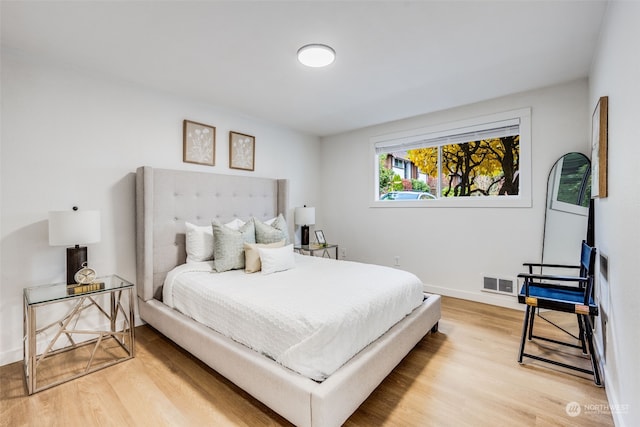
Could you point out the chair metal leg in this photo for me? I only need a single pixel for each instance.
(525, 326)
(581, 337)
(592, 352)
(586, 335)
(531, 319)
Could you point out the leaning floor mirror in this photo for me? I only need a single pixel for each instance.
(567, 209)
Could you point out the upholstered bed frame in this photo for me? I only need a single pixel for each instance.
(165, 199)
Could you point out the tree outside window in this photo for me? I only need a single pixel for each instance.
(478, 168)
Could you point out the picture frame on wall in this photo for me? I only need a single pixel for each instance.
(599, 148)
(198, 143)
(242, 151)
(320, 237)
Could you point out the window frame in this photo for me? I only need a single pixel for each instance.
(522, 200)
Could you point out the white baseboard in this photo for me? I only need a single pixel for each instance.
(617, 408)
(507, 301)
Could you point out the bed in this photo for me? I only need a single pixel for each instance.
(165, 200)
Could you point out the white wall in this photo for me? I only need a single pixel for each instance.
(450, 249)
(615, 73)
(74, 137)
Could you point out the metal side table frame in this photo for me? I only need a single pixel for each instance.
(120, 311)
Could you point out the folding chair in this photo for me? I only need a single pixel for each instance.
(554, 292)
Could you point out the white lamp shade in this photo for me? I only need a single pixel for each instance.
(305, 216)
(74, 227)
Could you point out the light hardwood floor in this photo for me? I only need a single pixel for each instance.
(464, 375)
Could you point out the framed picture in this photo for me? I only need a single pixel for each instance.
(320, 237)
(599, 136)
(198, 143)
(242, 150)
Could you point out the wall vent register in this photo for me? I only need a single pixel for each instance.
(497, 285)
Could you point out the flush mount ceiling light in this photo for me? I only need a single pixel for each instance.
(316, 55)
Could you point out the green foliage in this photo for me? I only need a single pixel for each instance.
(418, 185)
(447, 192)
(388, 180)
(396, 183)
(385, 176)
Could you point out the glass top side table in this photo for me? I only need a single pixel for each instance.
(71, 331)
(314, 247)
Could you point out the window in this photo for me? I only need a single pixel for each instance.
(479, 162)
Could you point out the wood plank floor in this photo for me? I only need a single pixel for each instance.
(464, 375)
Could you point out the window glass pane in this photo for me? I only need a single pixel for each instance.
(410, 182)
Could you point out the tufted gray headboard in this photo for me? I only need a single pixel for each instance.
(165, 199)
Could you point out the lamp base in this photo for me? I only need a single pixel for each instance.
(75, 258)
(304, 235)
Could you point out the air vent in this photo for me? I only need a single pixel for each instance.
(490, 284)
(604, 267)
(498, 285)
(505, 286)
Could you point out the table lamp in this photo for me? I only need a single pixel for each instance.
(74, 228)
(305, 217)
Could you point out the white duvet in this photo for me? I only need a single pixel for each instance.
(311, 319)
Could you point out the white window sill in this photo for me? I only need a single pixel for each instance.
(461, 202)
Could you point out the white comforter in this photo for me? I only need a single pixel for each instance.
(311, 319)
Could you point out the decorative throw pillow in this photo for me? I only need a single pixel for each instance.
(277, 259)
(272, 233)
(199, 242)
(228, 245)
(252, 256)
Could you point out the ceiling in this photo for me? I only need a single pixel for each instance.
(395, 59)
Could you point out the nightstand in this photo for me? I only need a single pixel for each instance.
(313, 248)
(62, 320)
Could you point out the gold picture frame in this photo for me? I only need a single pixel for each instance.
(599, 148)
(198, 143)
(242, 151)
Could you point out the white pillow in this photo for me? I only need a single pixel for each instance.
(277, 259)
(235, 224)
(199, 242)
(252, 256)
